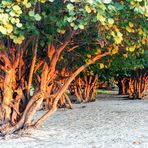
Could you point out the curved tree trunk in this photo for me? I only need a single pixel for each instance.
(22, 118)
(85, 88)
(32, 68)
(138, 84)
(8, 95)
(65, 86)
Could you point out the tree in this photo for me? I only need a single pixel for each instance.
(34, 37)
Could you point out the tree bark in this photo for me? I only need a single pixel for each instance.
(32, 68)
(65, 86)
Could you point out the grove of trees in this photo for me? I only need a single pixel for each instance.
(50, 46)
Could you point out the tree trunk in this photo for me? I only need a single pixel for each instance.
(139, 84)
(32, 68)
(48, 77)
(65, 86)
(8, 93)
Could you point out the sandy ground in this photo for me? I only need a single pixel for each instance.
(110, 122)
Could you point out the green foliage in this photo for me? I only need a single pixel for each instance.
(101, 25)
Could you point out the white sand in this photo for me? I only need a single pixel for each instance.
(110, 122)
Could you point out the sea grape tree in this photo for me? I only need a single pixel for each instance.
(35, 35)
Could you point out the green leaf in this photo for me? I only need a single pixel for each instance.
(110, 21)
(70, 6)
(19, 25)
(107, 1)
(119, 6)
(31, 13)
(37, 17)
(81, 26)
(28, 5)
